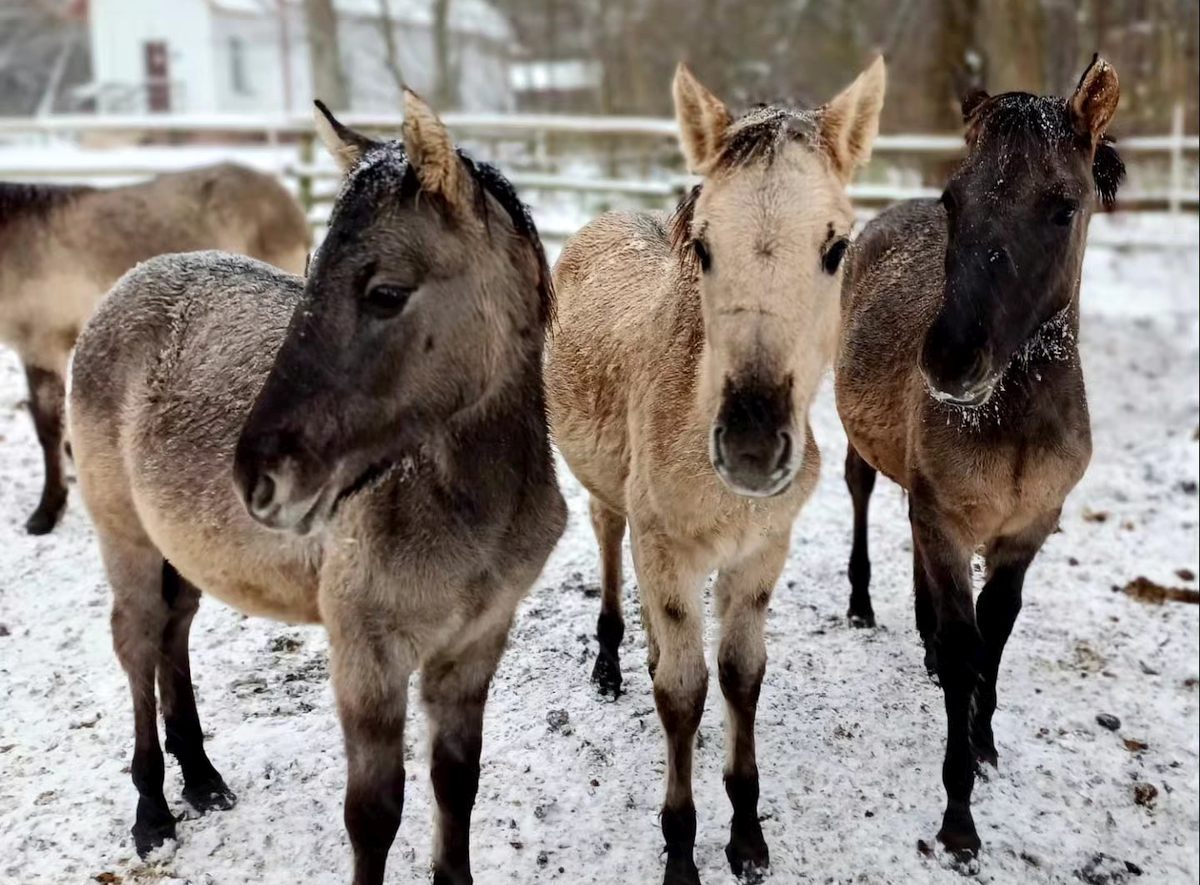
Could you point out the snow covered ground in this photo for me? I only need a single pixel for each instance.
(850, 729)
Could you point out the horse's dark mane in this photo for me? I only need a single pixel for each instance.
(20, 199)
(680, 230)
(387, 165)
(1020, 120)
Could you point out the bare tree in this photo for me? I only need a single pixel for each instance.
(445, 87)
(391, 60)
(328, 78)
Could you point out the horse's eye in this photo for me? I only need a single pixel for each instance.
(384, 301)
(832, 258)
(1064, 213)
(702, 254)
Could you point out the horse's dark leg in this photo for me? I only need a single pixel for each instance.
(454, 688)
(925, 612)
(999, 603)
(370, 671)
(46, 395)
(672, 606)
(203, 787)
(610, 627)
(742, 596)
(959, 656)
(139, 616)
(860, 479)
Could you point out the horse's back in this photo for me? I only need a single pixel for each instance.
(608, 280)
(164, 376)
(890, 294)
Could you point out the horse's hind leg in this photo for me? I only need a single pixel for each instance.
(139, 617)
(46, 396)
(454, 690)
(742, 595)
(860, 479)
(610, 627)
(203, 787)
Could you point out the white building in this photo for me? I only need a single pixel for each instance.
(251, 56)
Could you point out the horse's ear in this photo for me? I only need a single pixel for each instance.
(703, 120)
(850, 122)
(430, 148)
(344, 144)
(1095, 99)
(971, 102)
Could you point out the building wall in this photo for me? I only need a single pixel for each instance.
(121, 28)
(233, 61)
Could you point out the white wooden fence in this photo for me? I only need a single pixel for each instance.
(541, 141)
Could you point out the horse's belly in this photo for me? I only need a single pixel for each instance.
(255, 570)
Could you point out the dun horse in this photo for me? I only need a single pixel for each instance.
(62, 248)
(959, 378)
(685, 357)
(366, 449)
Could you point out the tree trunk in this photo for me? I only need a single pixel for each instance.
(325, 61)
(445, 87)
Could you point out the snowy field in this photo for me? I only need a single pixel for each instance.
(850, 729)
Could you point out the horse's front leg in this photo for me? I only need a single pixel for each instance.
(742, 595)
(370, 668)
(671, 594)
(1008, 559)
(959, 658)
(454, 688)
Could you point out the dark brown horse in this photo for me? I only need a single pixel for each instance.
(958, 377)
(366, 449)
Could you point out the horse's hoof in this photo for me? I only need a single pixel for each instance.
(607, 675)
(747, 853)
(43, 521)
(151, 834)
(959, 836)
(210, 796)
(985, 753)
(446, 877)
(931, 664)
(861, 621)
(681, 871)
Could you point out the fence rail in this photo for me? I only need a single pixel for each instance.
(538, 131)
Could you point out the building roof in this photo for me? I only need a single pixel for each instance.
(476, 17)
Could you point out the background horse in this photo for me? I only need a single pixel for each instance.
(62, 248)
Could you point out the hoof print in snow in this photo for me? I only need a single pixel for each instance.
(1105, 870)
(1145, 794)
(559, 721)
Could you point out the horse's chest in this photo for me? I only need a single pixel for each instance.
(1000, 489)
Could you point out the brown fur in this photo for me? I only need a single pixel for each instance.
(659, 349)
(62, 248)
(178, 382)
(988, 478)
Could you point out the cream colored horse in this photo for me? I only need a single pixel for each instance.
(685, 358)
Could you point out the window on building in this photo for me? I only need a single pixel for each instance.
(237, 66)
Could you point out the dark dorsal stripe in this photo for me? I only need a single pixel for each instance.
(20, 200)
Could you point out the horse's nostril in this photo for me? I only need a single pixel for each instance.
(718, 450)
(262, 493)
(785, 450)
